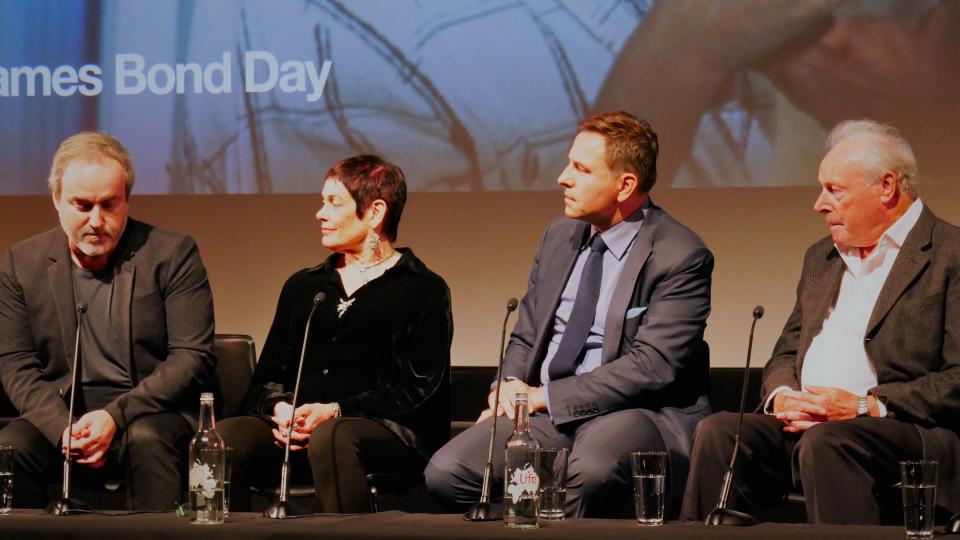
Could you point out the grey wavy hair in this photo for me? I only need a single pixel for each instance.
(892, 153)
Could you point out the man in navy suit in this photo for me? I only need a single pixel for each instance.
(609, 342)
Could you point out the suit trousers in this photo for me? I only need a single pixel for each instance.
(340, 454)
(598, 472)
(150, 455)
(843, 467)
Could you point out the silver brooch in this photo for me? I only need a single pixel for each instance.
(344, 305)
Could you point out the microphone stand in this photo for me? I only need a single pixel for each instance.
(486, 510)
(721, 515)
(280, 509)
(66, 505)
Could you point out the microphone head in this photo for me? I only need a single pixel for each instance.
(319, 298)
(82, 308)
(512, 304)
(758, 312)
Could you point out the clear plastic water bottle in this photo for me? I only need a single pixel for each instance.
(521, 500)
(207, 464)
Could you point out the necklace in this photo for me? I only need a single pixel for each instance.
(345, 304)
(362, 268)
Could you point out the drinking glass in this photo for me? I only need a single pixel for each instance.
(918, 481)
(553, 483)
(649, 476)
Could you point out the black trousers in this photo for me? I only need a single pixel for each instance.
(598, 470)
(842, 467)
(150, 455)
(340, 455)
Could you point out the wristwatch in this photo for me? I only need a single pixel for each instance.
(862, 408)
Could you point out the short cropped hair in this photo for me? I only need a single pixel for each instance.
(892, 153)
(89, 146)
(368, 178)
(631, 145)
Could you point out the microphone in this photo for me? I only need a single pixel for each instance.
(65, 505)
(721, 515)
(485, 510)
(280, 509)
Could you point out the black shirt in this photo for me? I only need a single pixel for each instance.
(104, 376)
(383, 352)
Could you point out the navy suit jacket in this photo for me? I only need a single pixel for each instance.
(653, 355)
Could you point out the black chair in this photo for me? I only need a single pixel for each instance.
(236, 358)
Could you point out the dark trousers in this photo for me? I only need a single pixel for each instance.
(598, 471)
(150, 455)
(340, 455)
(842, 467)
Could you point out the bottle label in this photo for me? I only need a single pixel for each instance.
(202, 479)
(523, 481)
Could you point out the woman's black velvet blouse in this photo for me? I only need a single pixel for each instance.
(386, 356)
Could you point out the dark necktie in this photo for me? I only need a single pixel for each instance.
(584, 312)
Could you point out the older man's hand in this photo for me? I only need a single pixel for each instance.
(801, 410)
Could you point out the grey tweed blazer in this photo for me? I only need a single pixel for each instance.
(912, 338)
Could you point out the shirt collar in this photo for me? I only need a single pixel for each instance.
(619, 237)
(901, 228)
(894, 236)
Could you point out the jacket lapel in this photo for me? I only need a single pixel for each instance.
(559, 264)
(911, 261)
(120, 318)
(623, 291)
(60, 278)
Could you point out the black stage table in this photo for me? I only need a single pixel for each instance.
(36, 525)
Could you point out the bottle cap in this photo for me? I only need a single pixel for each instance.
(206, 396)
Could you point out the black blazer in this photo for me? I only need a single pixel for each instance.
(165, 326)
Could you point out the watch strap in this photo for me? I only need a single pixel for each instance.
(863, 408)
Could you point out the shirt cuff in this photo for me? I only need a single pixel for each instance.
(768, 405)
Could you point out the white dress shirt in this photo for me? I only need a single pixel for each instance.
(837, 357)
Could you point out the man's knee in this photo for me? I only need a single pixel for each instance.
(821, 440)
(450, 475)
(591, 474)
(34, 451)
(159, 435)
(439, 479)
(716, 427)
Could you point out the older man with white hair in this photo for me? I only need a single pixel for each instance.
(867, 370)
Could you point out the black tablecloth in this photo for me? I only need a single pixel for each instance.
(35, 525)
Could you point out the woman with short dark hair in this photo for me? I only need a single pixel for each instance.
(374, 396)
